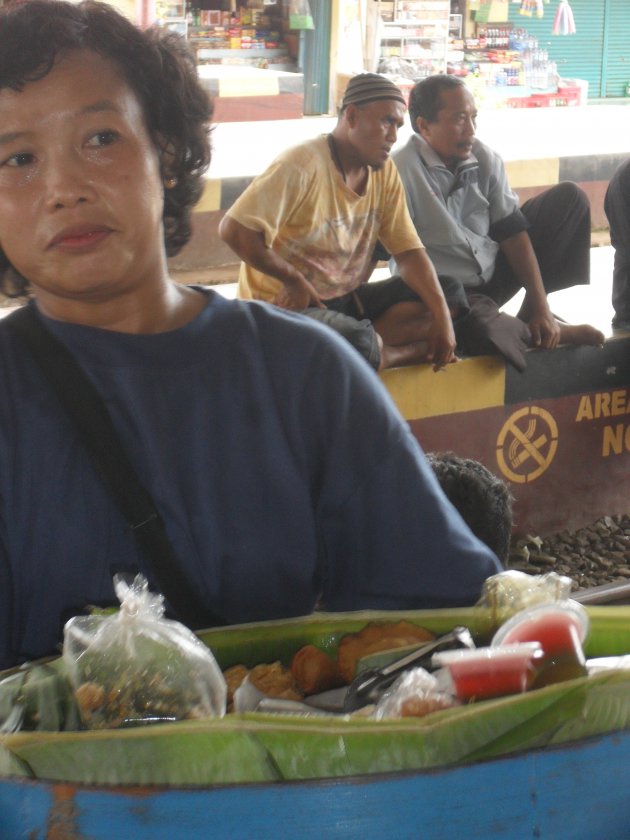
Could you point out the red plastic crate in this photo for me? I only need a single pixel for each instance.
(518, 102)
(564, 97)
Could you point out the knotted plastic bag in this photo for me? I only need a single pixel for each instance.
(300, 15)
(511, 591)
(136, 667)
(415, 693)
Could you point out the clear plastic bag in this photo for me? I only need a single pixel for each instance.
(137, 667)
(415, 693)
(509, 592)
(300, 15)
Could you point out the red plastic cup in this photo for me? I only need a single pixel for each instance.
(561, 629)
(487, 672)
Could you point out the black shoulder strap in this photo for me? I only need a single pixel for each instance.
(96, 431)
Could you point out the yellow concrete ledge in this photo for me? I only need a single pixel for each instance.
(468, 385)
(256, 86)
(211, 197)
(533, 173)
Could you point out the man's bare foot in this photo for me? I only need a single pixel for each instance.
(580, 334)
(399, 355)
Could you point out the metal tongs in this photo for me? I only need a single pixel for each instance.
(368, 686)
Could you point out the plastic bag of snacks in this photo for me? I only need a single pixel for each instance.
(137, 667)
(415, 693)
(509, 592)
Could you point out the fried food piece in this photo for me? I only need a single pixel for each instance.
(90, 696)
(275, 680)
(314, 671)
(375, 637)
(421, 706)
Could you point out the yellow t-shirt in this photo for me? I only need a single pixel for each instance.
(318, 224)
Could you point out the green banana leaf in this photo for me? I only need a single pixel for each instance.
(273, 748)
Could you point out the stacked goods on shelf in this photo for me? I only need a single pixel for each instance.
(414, 37)
(512, 69)
(251, 37)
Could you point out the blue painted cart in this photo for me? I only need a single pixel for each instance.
(575, 789)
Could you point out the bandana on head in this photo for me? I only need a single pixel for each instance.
(369, 87)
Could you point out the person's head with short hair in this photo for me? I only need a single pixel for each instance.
(38, 36)
(370, 87)
(483, 500)
(371, 112)
(442, 111)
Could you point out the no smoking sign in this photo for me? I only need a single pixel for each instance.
(527, 444)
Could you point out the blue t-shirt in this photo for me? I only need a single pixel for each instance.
(280, 466)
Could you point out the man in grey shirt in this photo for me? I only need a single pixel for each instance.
(470, 222)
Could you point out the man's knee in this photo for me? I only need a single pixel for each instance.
(568, 194)
(359, 333)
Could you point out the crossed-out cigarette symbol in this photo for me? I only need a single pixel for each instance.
(528, 438)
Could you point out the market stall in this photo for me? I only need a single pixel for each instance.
(500, 767)
(508, 67)
(247, 55)
(252, 35)
(504, 63)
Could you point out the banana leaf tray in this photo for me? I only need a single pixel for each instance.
(548, 763)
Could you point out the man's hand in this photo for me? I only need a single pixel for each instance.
(441, 343)
(297, 294)
(520, 255)
(417, 271)
(545, 329)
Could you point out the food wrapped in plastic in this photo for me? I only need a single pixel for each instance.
(511, 591)
(137, 667)
(415, 693)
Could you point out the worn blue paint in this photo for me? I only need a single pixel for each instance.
(575, 792)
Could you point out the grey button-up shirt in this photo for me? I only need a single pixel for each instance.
(461, 216)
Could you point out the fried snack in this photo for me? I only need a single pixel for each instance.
(375, 637)
(275, 680)
(314, 671)
(421, 706)
(272, 679)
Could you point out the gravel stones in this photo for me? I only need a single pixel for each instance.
(590, 556)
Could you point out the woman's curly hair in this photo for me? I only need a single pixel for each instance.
(483, 500)
(156, 64)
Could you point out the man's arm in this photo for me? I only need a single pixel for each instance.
(520, 255)
(249, 245)
(417, 271)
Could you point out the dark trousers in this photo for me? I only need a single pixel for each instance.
(351, 315)
(617, 208)
(560, 232)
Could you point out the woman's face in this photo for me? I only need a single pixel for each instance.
(81, 194)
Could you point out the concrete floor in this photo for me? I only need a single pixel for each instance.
(588, 304)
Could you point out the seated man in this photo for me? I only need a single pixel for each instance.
(617, 208)
(306, 230)
(482, 499)
(475, 233)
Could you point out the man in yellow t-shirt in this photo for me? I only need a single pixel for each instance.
(306, 229)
